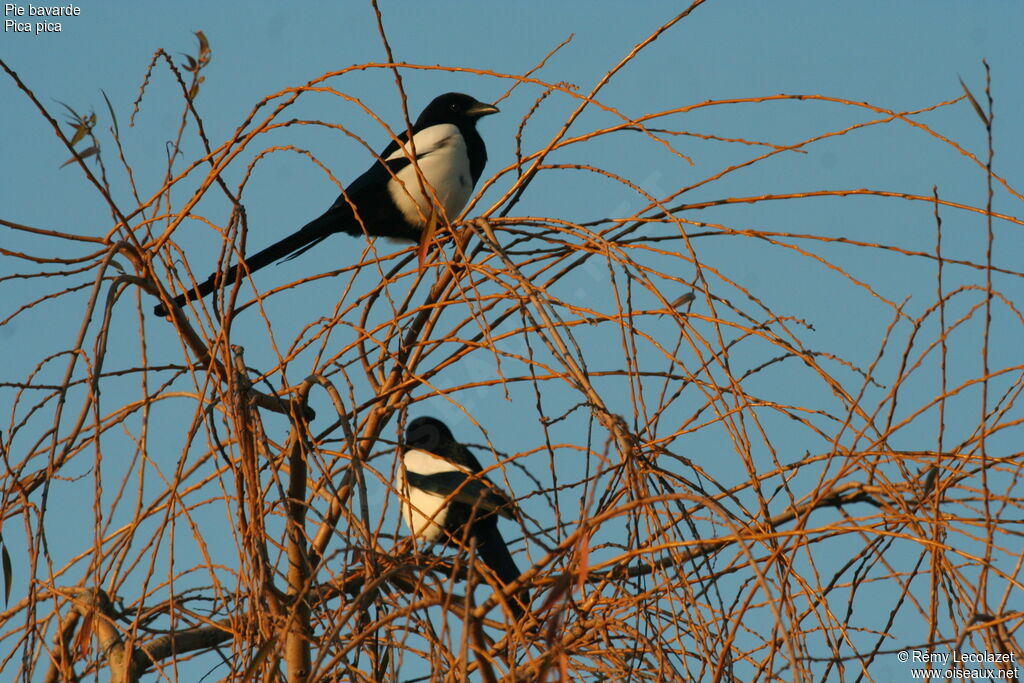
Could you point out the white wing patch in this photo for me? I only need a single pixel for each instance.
(443, 161)
(421, 510)
(427, 141)
(424, 462)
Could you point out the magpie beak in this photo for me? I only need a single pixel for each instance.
(445, 499)
(481, 109)
(394, 198)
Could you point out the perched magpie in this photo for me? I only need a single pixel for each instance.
(445, 499)
(389, 200)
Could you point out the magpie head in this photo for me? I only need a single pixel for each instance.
(428, 434)
(454, 107)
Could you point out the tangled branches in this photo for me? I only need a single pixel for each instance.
(717, 483)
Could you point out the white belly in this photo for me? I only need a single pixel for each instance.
(422, 511)
(442, 159)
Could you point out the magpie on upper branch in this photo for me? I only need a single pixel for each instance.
(389, 200)
(446, 499)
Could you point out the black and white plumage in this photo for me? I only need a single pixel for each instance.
(446, 500)
(390, 200)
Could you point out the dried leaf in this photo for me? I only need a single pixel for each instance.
(82, 155)
(8, 569)
(204, 44)
(113, 116)
(977, 107)
(683, 300)
(83, 639)
(71, 112)
(81, 130)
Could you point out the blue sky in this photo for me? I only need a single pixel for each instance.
(899, 56)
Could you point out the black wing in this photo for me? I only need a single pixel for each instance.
(474, 492)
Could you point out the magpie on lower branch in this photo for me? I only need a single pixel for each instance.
(446, 500)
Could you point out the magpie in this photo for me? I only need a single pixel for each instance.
(390, 199)
(445, 499)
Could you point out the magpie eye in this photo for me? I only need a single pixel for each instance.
(454, 106)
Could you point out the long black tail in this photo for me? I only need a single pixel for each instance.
(292, 245)
(491, 548)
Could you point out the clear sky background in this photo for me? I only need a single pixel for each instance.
(899, 55)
